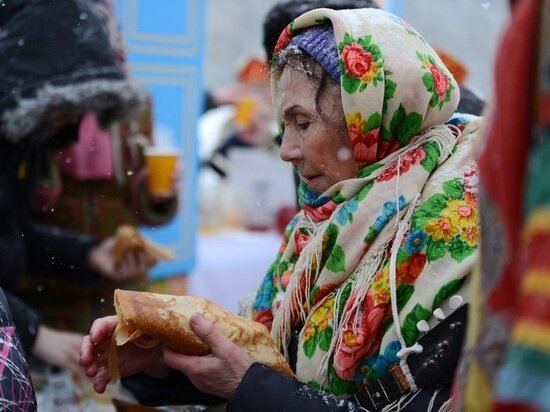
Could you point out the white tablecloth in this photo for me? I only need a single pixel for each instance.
(232, 264)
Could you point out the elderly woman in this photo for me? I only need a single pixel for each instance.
(379, 252)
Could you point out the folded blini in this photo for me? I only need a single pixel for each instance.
(149, 319)
(128, 238)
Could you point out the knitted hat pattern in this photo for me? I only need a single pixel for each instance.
(318, 42)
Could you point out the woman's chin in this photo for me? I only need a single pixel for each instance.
(317, 185)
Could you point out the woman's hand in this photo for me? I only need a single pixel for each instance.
(218, 373)
(134, 265)
(94, 355)
(58, 348)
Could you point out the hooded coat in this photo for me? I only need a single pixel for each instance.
(55, 55)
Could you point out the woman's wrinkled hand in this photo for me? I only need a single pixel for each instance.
(219, 373)
(94, 355)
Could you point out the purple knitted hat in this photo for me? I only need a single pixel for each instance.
(319, 42)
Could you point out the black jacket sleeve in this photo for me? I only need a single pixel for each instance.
(176, 389)
(26, 321)
(264, 389)
(59, 253)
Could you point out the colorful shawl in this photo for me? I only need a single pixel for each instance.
(393, 244)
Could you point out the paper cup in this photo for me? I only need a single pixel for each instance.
(161, 164)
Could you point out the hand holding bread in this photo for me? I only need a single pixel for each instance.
(219, 373)
(95, 350)
(128, 239)
(126, 255)
(149, 319)
(187, 333)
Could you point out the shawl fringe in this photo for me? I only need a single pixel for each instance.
(307, 268)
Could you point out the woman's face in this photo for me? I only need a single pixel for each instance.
(319, 149)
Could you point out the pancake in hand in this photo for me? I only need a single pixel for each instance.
(148, 319)
(128, 239)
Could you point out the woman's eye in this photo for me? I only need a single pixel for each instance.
(303, 125)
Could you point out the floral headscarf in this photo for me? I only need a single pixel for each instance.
(393, 244)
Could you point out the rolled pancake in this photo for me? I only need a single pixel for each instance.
(148, 319)
(128, 238)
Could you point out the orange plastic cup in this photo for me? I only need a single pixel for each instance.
(244, 112)
(161, 164)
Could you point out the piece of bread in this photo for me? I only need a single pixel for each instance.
(127, 238)
(147, 319)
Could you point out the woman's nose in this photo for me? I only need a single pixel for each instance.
(290, 149)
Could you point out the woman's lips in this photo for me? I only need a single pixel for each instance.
(310, 180)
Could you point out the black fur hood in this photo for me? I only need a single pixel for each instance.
(56, 53)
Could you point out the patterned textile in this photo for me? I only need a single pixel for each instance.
(393, 244)
(16, 389)
(506, 366)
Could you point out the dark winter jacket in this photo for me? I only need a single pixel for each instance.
(262, 389)
(24, 244)
(55, 55)
(16, 389)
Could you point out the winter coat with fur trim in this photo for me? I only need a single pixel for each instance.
(57, 56)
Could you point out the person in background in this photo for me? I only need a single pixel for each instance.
(251, 125)
(50, 80)
(380, 251)
(93, 186)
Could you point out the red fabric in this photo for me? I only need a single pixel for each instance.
(502, 162)
(45, 198)
(538, 248)
(91, 157)
(512, 407)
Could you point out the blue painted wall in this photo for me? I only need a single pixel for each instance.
(165, 51)
(395, 6)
